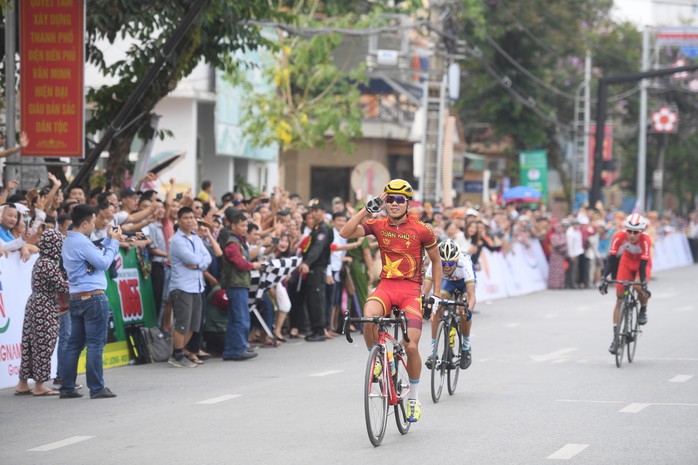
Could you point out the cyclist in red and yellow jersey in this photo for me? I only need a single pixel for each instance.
(402, 240)
(629, 260)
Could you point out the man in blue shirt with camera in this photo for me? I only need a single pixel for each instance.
(85, 264)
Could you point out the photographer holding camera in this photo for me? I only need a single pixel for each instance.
(85, 264)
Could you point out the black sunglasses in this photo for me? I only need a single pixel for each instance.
(398, 199)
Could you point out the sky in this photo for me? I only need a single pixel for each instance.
(636, 11)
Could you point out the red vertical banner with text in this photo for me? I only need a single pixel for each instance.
(606, 175)
(52, 60)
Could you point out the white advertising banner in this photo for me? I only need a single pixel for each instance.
(671, 251)
(15, 288)
(522, 270)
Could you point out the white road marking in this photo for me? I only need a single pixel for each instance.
(552, 355)
(634, 408)
(593, 401)
(58, 444)
(680, 378)
(559, 360)
(568, 451)
(327, 373)
(668, 404)
(551, 315)
(512, 325)
(684, 309)
(216, 400)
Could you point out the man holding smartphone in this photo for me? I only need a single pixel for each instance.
(85, 264)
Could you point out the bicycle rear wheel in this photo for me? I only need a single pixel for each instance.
(620, 336)
(376, 397)
(438, 367)
(402, 387)
(454, 366)
(632, 332)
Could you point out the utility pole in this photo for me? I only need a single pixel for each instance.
(10, 69)
(642, 137)
(659, 174)
(430, 179)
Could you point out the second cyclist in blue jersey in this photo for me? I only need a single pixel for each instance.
(458, 275)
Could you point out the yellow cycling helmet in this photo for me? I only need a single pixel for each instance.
(399, 186)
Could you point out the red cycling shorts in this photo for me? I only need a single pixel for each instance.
(407, 295)
(628, 270)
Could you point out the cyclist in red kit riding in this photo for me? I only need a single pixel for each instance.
(629, 260)
(402, 240)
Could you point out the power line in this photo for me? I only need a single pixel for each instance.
(532, 36)
(530, 75)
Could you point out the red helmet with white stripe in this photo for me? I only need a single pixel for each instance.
(635, 222)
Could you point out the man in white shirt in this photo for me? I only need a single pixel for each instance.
(575, 251)
(334, 269)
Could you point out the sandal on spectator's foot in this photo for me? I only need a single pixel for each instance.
(271, 343)
(203, 355)
(293, 335)
(195, 359)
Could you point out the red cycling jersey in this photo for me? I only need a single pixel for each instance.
(630, 257)
(402, 246)
(620, 246)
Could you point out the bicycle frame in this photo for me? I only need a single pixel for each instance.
(384, 336)
(627, 321)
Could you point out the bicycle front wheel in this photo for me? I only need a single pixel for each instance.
(402, 387)
(438, 367)
(632, 332)
(376, 397)
(620, 337)
(454, 366)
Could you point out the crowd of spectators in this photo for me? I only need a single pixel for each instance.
(282, 225)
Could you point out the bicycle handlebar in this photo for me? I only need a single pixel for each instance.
(378, 320)
(628, 284)
(454, 303)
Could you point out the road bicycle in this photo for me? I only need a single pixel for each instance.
(628, 332)
(447, 348)
(386, 384)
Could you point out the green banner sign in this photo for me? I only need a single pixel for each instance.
(130, 294)
(534, 171)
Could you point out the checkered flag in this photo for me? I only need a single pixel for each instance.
(276, 270)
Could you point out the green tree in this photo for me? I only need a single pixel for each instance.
(529, 63)
(315, 95)
(223, 27)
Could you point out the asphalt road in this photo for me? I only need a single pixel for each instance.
(542, 388)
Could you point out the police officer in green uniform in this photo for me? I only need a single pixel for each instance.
(316, 257)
